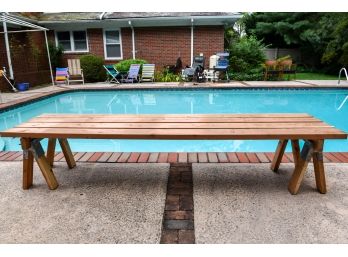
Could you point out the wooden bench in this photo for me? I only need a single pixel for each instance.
(283, 127)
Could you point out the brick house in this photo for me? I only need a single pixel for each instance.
(158, 38)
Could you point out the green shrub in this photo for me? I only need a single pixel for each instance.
(123, 66)
(246, 54)
(56, 54)
(166, 76)
(93, 68)
(252, 75)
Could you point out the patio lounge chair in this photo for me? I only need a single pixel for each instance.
(62, 75)
(75, 71)
(222, 64)
(112, 73)
(133, 74)
(196, 71)
(148, 72)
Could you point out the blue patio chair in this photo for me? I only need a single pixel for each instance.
(222, 64)
(112, 74)
(132, 74)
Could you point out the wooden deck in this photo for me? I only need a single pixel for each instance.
(283, 127)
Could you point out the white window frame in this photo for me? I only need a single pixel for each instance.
(72, 43)
(104, 43)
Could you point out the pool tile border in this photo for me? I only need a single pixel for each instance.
(173, 157)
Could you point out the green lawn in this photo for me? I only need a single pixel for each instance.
(314, 76)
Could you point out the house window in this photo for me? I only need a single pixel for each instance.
(73, 41)
(112, 44)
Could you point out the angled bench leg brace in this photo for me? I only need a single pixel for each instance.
(310, 149)
(28, 163)
(318, 164)
(33, 148)
(278, 155)
(295, 151)
(69, 157)
(51, 150)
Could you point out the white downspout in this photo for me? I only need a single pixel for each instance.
(133, 39)
(8, 49)
(191, 41)
(49, 58)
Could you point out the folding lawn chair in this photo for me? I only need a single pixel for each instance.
(62, 76)
(132, 74)
(75, 71)
(112, 74)
(148, 72)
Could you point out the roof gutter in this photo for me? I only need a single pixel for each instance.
(235, 16)
(102, 15)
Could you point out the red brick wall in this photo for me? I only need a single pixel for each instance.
(208, 40)
(29, 59)
(161, 46)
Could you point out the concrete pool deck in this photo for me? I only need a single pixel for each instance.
(100, 203)
(9, 99)
(246, 204)
(127, 203)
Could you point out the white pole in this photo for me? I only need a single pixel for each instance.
(49, 57)
(133, 39)
(133, 42)
(191, 41)
(8, 50)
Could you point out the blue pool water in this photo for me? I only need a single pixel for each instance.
(323, 104)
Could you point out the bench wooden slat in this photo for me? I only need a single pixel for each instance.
(294, 133)
(235, 115)
(140, 119)
(108, 125)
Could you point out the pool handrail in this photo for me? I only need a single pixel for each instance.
(339, 75)
(343, 102)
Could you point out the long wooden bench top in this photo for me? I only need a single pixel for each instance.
(176, 126)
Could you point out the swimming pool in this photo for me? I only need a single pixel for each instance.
(325, 104)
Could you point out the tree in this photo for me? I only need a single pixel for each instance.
(336, 50)
(322, 37)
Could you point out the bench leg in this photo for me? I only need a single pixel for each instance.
(278, 154)
(69, 157)
(295, 151)
(44, 166)
(28, 163)
(51, 150)
(319, 166)
(300, 168)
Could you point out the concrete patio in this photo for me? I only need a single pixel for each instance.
(248, 204)
(124, 203)
(95, 203)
